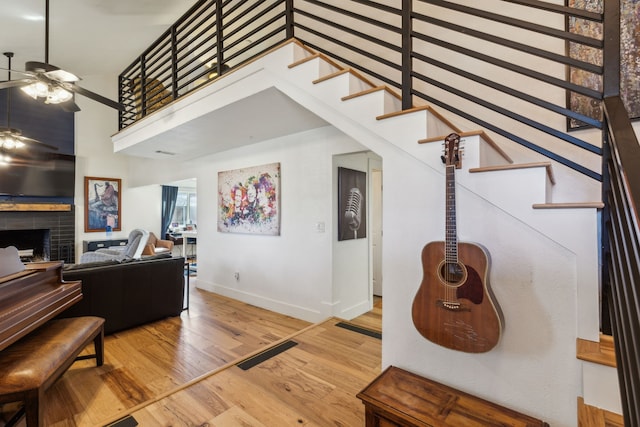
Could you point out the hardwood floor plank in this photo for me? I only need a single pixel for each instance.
(301, 386)
(235, 417)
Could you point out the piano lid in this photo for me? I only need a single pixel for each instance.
(33, 296)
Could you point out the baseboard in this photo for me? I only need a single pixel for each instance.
(298, 312)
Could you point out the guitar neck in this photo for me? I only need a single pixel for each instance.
(451, 233)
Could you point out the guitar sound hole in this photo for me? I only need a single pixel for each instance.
(452, 273)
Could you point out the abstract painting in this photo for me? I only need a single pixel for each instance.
(249, 200)
(629, 59)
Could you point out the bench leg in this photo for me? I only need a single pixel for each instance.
(33, 409)
(98, 345)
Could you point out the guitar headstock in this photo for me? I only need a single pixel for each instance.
(452, 151)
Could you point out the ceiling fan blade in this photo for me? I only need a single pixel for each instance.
(37, 143)
(70, 106)
(95, 96)
(37, 67)
(15, 83)
(62, 76)
(26, 73)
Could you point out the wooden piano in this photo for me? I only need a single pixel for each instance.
(31, 297)
(34, 349)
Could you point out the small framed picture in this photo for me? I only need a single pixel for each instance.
(102, 204)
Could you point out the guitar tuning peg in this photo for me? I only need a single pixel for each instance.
(444, 160)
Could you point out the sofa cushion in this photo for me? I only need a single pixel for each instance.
(150, 257)
(80, 266)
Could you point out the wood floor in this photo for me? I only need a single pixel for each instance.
(182, 371)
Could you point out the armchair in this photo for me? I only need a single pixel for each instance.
(157, 246)
(132, 250)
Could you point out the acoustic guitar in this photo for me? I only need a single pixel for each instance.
(454, 306)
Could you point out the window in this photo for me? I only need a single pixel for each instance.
(186, 209)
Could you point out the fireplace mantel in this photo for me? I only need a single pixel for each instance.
(34, 207)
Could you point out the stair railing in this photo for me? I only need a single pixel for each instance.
(621, 225)
(621, 248)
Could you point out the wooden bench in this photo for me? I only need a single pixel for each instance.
(32, 364)
(397, 398)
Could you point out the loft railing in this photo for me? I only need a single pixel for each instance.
(440, 61)
(209, 39)
(444, 62)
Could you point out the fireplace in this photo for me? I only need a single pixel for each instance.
(33, 245)
(48, 235)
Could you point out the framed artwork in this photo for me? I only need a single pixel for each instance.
(102, 204)
(249, 200)
(629, 59)
(352, 206)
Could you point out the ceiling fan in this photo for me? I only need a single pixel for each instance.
(12, 138)
(52, 84)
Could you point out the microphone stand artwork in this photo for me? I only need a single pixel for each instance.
(352, 212)
(351, 204)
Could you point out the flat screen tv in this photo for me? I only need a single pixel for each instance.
(39, 174)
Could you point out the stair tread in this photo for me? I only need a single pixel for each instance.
(371, 90)
(546, 165)
(590, 416)
(602, 352)
(571, 205)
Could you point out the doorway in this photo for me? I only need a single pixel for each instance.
(376, 231)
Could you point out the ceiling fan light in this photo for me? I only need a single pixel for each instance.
(9, 143)
(36, 90)
(5, 160)
(57, 94)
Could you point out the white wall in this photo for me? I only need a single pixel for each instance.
(533, 368)
(95, 124)
(291, 273)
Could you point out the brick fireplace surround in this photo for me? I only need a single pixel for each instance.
(60, 224)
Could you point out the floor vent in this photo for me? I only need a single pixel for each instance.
(124, 422)
(360, 330)
(266, 355)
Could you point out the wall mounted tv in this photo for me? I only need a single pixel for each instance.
(39, 174)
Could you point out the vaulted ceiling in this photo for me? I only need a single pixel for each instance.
(87, 37)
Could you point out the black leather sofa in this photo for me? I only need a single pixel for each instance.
(130, 293)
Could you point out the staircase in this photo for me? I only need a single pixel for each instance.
(520, 196)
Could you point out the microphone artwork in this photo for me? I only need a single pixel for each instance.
(352, 211)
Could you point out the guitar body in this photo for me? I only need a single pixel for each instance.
(454, 306)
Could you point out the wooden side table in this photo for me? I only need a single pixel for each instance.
(397, 398)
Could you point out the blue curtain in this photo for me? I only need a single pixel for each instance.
(169, 197)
